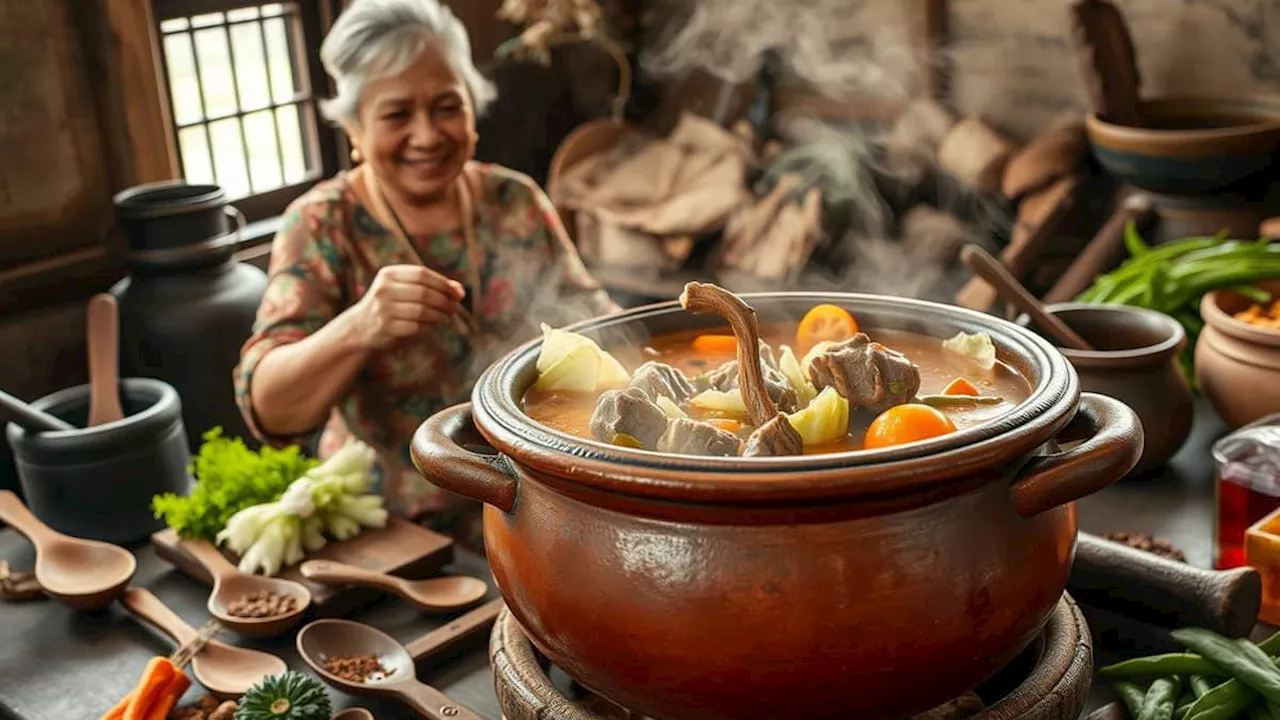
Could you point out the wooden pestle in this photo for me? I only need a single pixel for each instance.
(1105, 251)
(1163, 592)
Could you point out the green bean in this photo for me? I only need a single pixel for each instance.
(1222, 702)
(1200, 685)
(1159, 701)
(1131, 695)
(1242, 659)
(1180, 712)
(1161, 665)
(942, 401)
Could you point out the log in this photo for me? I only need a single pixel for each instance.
(1051, 156)
(975, 154)
(1105, 251)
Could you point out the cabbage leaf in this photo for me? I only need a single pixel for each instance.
(825, 420)
(670, 408)
(725, 401)
(569, 361)
(976, 347)
(790, 367)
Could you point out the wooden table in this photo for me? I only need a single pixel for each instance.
(58, 665)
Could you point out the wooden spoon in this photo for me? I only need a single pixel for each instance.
(230, 584)
(227, 672)
(353, 714)
(440, 594)
(82, 574)
(981, 263)
(325, 639)
(103, 335)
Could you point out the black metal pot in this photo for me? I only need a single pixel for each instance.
(98, 482)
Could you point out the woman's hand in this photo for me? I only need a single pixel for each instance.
(403, 301)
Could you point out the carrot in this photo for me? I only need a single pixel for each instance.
(117, 712)
(155, 677)
(715, 344)
(727, 424)
(169, 696)
(961, 386)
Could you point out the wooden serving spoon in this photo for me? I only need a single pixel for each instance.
(103, 335)
(353, 714)
(230, 584)
(82, 574)
(981, 263)
(227, 672)
(440, 594)
(325, 639)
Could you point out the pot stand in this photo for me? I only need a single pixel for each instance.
(1050, 680)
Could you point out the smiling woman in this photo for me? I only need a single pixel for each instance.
(393, 285)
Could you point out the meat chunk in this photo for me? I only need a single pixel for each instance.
(725, 378)
(776, 438)
(869, 375)
(694, 437)
(656, 379)
(630, 412)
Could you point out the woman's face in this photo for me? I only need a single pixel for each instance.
(417, 128)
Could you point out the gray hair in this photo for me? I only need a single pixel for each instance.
(378, 38)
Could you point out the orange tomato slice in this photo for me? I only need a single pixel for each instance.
(825, 322)
(715, 344)
(906, 423)
(961, 386)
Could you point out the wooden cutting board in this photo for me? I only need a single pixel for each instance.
(401, 548)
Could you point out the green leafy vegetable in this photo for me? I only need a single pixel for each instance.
(228, 478)
(1171, 278)
(825, 420)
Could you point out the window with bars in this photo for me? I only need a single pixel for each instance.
(241, 79)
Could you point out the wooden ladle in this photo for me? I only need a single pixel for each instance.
(981, 263)
(103, 336)
(230, 584)
(441, 594)
(82, 574)
(227, 672)
(325, 639)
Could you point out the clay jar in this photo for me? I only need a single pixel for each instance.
(869, 584)
(97, 482)
(1238, 364)
(1136, 362)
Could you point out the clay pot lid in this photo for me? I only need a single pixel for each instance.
(1016, 434)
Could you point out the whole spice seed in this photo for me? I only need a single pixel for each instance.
(262, 604)
(357, 668)
(1155, 546)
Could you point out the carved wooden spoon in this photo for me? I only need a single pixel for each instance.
(440, 594)
(82, 574)
(325, 639)
(981, 263)
(227, 672)
(230, 584)
(353, 714)
(103, 333)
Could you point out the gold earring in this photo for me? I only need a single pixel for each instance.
(356, 157)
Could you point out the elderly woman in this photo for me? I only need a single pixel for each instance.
(394, 284)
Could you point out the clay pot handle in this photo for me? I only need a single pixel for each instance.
(430, 703)
(438, 453)
(1163, 592)
(1112, 449)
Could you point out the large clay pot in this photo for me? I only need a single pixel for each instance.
(870, 584)
(1238, 364)
(187, 306)
(1135, 360)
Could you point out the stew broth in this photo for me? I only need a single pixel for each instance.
(570, 412)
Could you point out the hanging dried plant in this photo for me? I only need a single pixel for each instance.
(549, 23)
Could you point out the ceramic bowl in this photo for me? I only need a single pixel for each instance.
(1192, 145)
(1238, 364)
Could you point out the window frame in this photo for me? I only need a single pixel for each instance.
(322, 143)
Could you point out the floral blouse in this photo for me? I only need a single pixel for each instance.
(325, 257)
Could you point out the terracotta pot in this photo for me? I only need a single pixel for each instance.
(871, 584)
(1136, 362)
(1238, 364)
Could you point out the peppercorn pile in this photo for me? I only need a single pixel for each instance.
(1155, 546)
(1218, 678)
(206, 708)
(262, 604)
(356, 668)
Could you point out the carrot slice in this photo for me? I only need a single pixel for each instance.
(169, 696)
(825, 322)
(726, 424)
(906, 423)
(715, 344)
(158, 673)
(961, 386)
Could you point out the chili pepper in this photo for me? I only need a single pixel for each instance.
(1159, 700)
(1160, 666)
(1244, 660)
(1131, 695)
